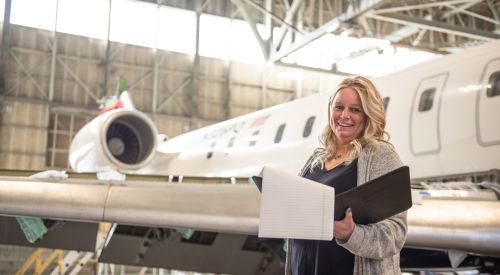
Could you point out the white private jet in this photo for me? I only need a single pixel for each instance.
(442, 117)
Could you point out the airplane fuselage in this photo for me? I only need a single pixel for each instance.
(442, 117)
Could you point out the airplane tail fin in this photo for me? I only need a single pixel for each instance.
(122, 99)
(121, 86)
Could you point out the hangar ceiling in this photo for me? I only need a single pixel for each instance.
(437, 26)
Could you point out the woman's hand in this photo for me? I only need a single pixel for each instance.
(342, 230)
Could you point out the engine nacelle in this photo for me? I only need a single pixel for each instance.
(120, 139)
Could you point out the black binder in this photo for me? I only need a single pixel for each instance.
(375, 200)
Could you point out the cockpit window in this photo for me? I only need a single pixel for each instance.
(493, 85)
(426, 100)
(308, 127)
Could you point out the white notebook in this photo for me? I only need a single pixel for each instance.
(295, 207)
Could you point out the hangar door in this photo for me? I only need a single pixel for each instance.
(488, 102)
(424, 116)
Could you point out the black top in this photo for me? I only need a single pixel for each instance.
(332, 259)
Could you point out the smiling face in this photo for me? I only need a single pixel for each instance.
(347, 119)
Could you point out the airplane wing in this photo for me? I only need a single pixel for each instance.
(226, 208)
(208, 207)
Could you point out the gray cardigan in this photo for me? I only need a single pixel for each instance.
(376, 246)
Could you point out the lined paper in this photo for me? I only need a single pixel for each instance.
(295, 207)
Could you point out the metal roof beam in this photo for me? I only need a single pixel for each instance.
(419, 6)
(487, 19)
(404, 32)
(462, 7)
(493, 10)
(290, 14)
(253, 25)
(416, 41)
(435, 26)
(274, 16)
(352, 12)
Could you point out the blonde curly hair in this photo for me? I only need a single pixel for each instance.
(373, 131)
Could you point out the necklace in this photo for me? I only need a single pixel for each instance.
(337, 157)
(340, 155)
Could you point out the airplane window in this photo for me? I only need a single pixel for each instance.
(493, 85)
(308, 127)
(426, 100)
(211, 153)
(254, 140)
(231, 142)
(279, 133)
(385, 101)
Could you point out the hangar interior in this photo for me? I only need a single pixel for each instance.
(53, 79)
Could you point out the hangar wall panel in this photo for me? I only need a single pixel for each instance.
(214, 67)
(213, 90)
(245, 95)
(170, 127)
(240, 110)
(174, 104)
(176, 61)
(282, 77)
(23, 135)
(246, 73)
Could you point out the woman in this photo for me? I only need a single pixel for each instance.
(354, 149)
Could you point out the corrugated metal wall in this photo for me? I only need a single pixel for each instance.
(23, 135)
(37, 124)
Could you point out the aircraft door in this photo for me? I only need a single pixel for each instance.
(488, 105)
(424, 116)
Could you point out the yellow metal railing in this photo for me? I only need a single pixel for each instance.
(41, 264)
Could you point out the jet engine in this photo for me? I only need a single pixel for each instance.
(121, 139)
